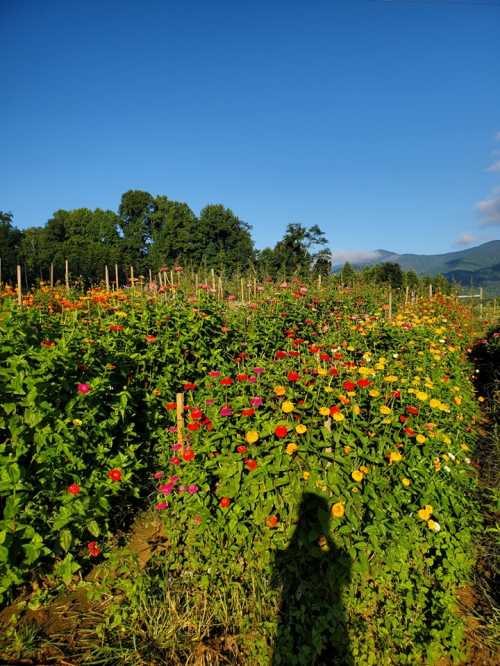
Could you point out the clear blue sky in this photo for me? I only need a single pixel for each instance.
(376, 120)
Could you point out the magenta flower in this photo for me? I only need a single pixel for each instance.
(176, 447)
(192, 489)
(173, 479)
(210, 402)
(226, 411)
(258, 371)
(166, 488)
(257, 401)
(172, 428)
(83, 388)
(252, 379)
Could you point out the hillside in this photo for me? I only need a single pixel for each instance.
(477, 266)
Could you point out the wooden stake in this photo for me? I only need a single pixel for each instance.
(66, 274)
(430, 291)
(180, 421)
(51, 276)
(116, 276)
(106, 277)
(406, 294)
(390, 304)
(19, 286)
(213, 278)
(242, 288)
(132, 276)
(150, 276)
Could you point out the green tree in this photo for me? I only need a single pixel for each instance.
(293, 254)
(347, 274)
(175, 234)
(10, 239)
(136, 212)
(224, 240)
(389, 273)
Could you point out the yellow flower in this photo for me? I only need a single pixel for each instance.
(421, 395)
(434, 403)
(251, 437)
(328, 389)
(457, 400)
(374, 393)
(337, 510)
(300, 429)
(287, 407)
(406, 482)
(481, 398)
(347, 450)
(433, 525)
(357, 475)
(421, 439)
(77, 422)
(363, 469)
(385, 410)
(291, 448)
(394, 456)
(426, 512)
(390, 378)
(437, 464)
(279, 390)
(356, 409)
(324, 411)
(321, 372)
(306, 475)
(338, 417)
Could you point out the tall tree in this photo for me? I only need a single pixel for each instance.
(225, 242)
(175, 234)
(10, 239)
(295, 252)
(135, 211)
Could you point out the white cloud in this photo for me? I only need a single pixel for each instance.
(494, 167)
(354, 256)
(466, 239)
(490, 209)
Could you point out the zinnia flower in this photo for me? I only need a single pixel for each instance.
(83, 388)
(115, 474)
(251, 437)
(338, 510)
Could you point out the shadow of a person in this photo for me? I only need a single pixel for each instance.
(311, 572)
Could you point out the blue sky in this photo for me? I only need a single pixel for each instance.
(376, 120)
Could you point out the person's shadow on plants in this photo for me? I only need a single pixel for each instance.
(311, 572)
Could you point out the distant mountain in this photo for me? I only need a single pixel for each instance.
(477, 266)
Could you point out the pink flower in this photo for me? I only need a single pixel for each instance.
(83, 388)
(161, 505)
(166, 488)
(172, 428)
(210, 402)
(256, 402)
(175, 460)
(192, 489)
(176, 447)
(158, 475)
(226, 411)
(258, 371)
(252, 379)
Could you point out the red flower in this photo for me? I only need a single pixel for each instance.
(115, 474)
(293, 353)
(225, 503)
(116, 327)
(335, 409)
(410, 432)
(349, 386)
(324, 357)
(74, 489)
(281, 354)
(250, 411)
(193, 426)
(396, 394)
(293, 376)
(241, 449)
(363, 383)
(170, 405)
(188, 455)
(281, 431)
(272, 521)
(93, 548)
(251, 465)
(226, 381)
(175, 460)
(214, 373)
(47, 343)
(242, 377)
(333, 372)
(150, 338)
(412, 410)
(403, 419)
(196, 414)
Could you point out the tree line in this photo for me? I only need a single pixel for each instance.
(151, 232)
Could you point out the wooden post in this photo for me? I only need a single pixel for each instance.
(220, 291)
(319, 281)
(406, 294)
(150, 276)
(66, 274)
(19, 286)
(430, 290)
(255, 287)
(106, 277)
(481, 301)
(242, 290)
(213, 278)
(180, 421)
(132, 281)
(116, 276)
(390, 304)
(51, 275)
(196, 283)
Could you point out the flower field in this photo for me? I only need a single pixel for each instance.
(305, 451)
